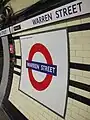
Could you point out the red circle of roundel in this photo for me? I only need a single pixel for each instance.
(45, 83)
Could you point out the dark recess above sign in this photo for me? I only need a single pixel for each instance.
(38, 8)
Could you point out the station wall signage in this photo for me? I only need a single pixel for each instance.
(44, 75)
(70, 10)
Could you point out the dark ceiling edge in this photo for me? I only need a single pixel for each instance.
(36, 9)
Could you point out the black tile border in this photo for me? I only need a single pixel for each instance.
(79, 98)
(17, 73)
(15, 38)
(79, 66)
(81, 27)
(17, 66)
(17, 57)
(79, 85)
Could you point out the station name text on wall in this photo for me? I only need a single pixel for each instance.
(60, 13)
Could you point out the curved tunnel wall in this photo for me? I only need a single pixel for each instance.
(78, 104)
(5, 72)
(1, 60)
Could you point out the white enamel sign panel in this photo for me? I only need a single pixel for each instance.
(44, 74)
(70, 10)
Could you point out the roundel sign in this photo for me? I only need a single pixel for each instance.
(47, 68)
(44, 75)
